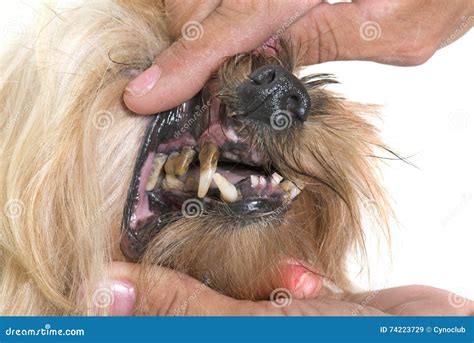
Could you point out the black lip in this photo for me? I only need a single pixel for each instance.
(242, 209)
(162, 126)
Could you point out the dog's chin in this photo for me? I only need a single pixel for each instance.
(200, 159)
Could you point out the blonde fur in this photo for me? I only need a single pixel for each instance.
(67, 145)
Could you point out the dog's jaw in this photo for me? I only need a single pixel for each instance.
(198, 159)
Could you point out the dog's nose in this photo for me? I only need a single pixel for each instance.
(271, 92)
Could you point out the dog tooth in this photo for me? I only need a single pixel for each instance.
(276, 179)
(158, 163)
(208, 157)
(286, 185)
(253, 181)
(183, 160)
(170, 163)
(262, 181)
(151, 183)
(290, 188)
(172, 183)
(294, 192)
(228, 191)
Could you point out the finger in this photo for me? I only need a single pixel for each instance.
(178, 13)
(182, 69)
(170, 293)
(362, 30)
(329, 32)
(300, 280)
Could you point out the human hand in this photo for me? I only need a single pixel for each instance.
(174, 293)
(405, 32)
(415, 300)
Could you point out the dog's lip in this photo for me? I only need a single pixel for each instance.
(165, 134)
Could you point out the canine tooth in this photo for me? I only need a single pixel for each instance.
(171, 182)
(170, 164)
(262, 181)
(208, 157)
(276, 178)
(228, 191)
(158, 164)
(183, 160)
(253, 181)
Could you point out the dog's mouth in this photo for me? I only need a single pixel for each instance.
(209, 156)
(198, 159)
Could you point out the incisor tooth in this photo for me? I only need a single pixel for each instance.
(253, 181)
(158, 164)
(183, 160)
(228, 191)
(208, 157)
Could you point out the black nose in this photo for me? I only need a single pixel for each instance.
(272, 92)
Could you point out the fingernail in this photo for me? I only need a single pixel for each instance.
(124, 299)
(144, 82)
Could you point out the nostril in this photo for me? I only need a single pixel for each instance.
(296, 104)
(263, 76)
(293, 104)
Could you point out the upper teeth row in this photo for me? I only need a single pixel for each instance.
(177, 164)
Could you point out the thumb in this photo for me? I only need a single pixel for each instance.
(169, 294)
(182, 69)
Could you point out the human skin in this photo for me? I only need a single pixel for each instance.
(407, 32)
(174, 293)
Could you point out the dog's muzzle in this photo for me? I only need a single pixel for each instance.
(201, 158)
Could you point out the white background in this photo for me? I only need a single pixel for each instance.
(428, 114)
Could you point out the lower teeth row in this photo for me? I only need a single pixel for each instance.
(177, 164)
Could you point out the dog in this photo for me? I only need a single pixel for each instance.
(259, 168)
